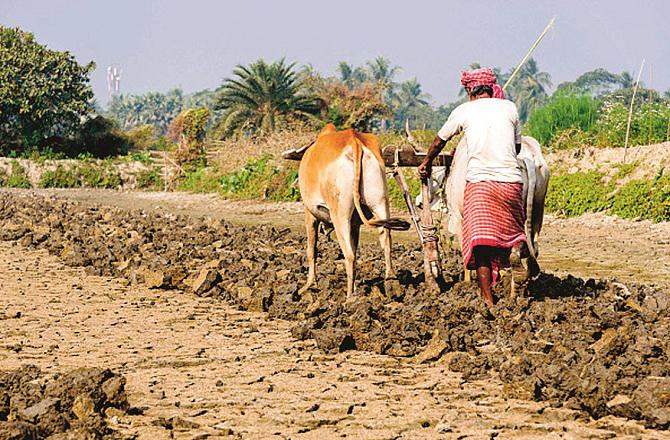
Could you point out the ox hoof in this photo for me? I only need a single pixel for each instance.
(487, 313)
(533, 268)
(392, 287)
(305, 289)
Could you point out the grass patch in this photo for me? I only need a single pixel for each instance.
(261, 178)
(577, 193)
(61, 177)
(17, 178)
(202, 180)
(396, 199)
(96, 175)
(643, 199)
(149, 179)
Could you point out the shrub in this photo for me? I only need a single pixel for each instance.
(61, 177)
(98, 176)
(577, 193)
(142, 137)
(644, 199)
(571, 138)
(149, 179)
(100, 137)
(188, 129)
(282, 184)
(200, 180)
(259, 178)
(17, 177)
(241, 181)
(564, 110)
(142, 157)
(648, 125)
(359, 107)
(164, 144)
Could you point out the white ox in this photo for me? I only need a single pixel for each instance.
(536, 179)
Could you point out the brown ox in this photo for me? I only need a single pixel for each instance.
(343, 183)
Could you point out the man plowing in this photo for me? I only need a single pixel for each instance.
(493, 215)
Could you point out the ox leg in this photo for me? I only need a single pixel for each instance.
(385, 242)
(312, 227)
(345, 237)
(381, 211)
(467, 277)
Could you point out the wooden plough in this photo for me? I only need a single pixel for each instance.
(396, 158)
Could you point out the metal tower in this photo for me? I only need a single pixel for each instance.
(113, 81)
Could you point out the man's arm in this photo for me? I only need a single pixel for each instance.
(451, 128)
(434, 150)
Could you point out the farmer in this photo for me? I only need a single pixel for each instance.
(493, 211)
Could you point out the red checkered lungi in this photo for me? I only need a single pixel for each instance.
(493, 215)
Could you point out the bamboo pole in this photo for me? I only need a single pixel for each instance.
(651, 87)
(630, 111)
(528, 54)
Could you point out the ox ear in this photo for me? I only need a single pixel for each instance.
(329, 128)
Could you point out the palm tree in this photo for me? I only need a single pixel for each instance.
(409, 97)
(626, 80)
(152, 108)
(529, 88)
(382, 72)
(351, 76)
(263, 97)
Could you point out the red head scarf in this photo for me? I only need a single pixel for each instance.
(482, 77)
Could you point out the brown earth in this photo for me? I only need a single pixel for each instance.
(592, 245)
(591, 345)
(76, 404)
(196, 367)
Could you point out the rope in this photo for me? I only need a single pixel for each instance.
(429, 233)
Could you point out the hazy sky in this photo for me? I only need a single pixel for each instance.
(194, 44)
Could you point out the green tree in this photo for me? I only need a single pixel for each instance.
(42, 92)
(351, 76)
(408, 99)
(626, 80)
(263, 97)
(529, 88)
(381, 71)
(151, 108)
(596, 82)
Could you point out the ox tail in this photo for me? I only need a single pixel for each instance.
(529, 165)
(389, 223)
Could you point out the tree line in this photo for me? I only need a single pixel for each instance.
(46, 102)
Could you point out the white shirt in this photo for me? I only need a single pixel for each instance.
(491, 129)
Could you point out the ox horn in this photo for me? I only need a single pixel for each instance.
(410, 137)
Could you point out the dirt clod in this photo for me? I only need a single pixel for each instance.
(73, 405)
(572, 342)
